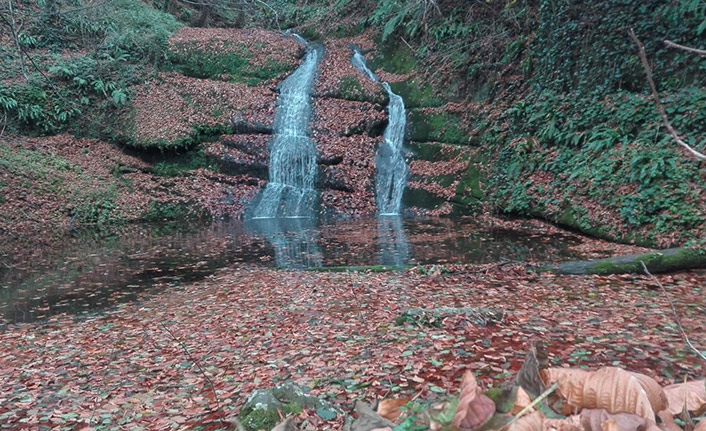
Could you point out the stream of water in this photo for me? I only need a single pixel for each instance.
(290, 191)
(391, 166)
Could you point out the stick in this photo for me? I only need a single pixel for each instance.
(671, 44)
(658, 103)
(674, 311)
(191, 358)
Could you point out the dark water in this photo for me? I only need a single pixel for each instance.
(92, 272)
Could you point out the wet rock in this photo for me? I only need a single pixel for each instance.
(329, 160)
(334, 178)
(261, 410)
(434, 316)
(240, 126)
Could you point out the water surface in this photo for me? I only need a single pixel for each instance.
(92, 271)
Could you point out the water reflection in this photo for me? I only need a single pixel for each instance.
(392, 241)
(93, 271)
(295, 240)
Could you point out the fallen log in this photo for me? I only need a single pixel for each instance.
(669, 260)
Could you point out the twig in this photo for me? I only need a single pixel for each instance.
(671, 44)
(674, 311)
(192, 359)
(536, 401)
(658, 103)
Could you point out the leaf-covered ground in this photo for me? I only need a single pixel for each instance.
(249, 328)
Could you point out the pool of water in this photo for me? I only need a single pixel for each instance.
(93, 271)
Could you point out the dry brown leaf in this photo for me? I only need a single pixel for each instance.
(668, 421)
(530, 422)
(701, 426)
(389, 408)
(522, 400)
(474, 408)
(610, 388)
(692, 393)
(287, 425)
(600, 419)
(572, 423)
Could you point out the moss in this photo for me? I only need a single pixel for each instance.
(181, 164)
(171, 211)
(470, 188)
(440, 127)
(656, 262)
(416, 95)
(265, 419)
(397, 59)
(350, 88)
(234, 66)
(421, 199)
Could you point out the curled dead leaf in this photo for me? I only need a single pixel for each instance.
(692, 394)
(389, 408)
(610, 388)
(522, 400)
(668, 423)
(474, 407)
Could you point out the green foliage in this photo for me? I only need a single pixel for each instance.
(233, 65)
(572, 55)
(184, 163)
(588, 148)
(170, 211)
(96, 206)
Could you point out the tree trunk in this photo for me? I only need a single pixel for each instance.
(673, 259)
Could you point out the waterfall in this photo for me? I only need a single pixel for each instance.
(290, 191)
(392, 169)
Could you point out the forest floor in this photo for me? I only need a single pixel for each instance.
(151, 364)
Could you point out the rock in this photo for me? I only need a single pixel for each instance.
(240, 126)
(434, 316)
(261, 410)
(367, 420)
(329, 160)
(333, 178)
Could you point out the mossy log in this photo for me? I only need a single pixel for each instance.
(672, 259)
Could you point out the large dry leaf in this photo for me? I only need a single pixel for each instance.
(600, 419)
(474, 408)
(588, 420)
(389, 408)
(610, 388)
(521, 401)
(693, 394)
(701, 426)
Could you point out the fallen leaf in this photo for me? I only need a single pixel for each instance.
(693, 394)
(610, 388)
(474, 408)
(390, 408)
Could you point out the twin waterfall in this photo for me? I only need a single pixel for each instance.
(285, 211)
(290, 191)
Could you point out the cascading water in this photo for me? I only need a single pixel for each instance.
(391, 166)
(290, 191)
(391, 176)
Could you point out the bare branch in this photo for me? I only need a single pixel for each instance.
(674, 311)
(203, 373)
(658, 103)
(16, 38)
(671, 44)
